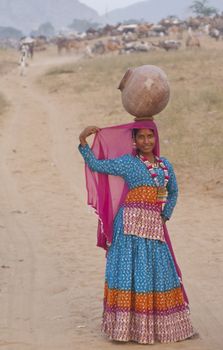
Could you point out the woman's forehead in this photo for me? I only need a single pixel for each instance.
(144, 131)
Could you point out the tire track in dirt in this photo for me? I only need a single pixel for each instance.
(26, 171)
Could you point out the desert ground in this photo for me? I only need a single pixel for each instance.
(51, 273)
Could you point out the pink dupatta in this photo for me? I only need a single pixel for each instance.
(106, 193)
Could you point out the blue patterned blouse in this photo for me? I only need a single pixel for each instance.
(135, 174)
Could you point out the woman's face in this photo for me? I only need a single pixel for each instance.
(145, 141)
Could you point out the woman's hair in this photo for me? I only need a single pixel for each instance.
(134, 133)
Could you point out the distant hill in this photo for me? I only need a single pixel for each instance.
(29, 14)
(154, 10)
(10, 33)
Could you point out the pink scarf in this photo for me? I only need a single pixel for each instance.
(106, 193)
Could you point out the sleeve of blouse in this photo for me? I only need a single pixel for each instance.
(172, 190)
(117, 166)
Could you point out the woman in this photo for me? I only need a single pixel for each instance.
(134, 192)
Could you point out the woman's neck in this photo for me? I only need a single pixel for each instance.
(149, 156)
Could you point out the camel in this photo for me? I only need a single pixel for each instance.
(192, 40)
(68, 44)
(40, 43)
(176, 32)
(99, 48)
(168, 45)
(214, 33)
(129, 37)
(113, 45)
(143, 30)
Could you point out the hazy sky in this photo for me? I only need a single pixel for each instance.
(101, 6)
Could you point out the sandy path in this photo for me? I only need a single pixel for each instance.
(51, 284)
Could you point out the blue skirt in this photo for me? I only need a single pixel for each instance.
(143, 299)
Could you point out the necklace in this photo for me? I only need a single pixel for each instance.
(161, 190)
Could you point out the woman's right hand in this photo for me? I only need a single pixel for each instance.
(89, 130)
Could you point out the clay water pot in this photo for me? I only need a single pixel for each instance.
(145, 91)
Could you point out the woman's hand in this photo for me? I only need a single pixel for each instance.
(89, 130)
(163, 221)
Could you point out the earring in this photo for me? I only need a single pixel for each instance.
(134, 145)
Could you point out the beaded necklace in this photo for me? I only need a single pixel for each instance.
(161, 190)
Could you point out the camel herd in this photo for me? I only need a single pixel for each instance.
(127, 43)
(172, 34)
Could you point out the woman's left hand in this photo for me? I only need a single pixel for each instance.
(164, 220)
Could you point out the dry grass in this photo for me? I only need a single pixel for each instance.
(7, 63)
(3, 104)
(190, 128)
(8, 60)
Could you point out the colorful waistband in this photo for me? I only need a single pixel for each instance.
(144, 195)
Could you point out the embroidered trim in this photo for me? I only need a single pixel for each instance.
(142, 213)
(143, 222)
(146, 329)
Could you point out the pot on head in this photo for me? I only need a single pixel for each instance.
(145, 91)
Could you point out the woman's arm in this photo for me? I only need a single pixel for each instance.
(117, 166)
(172, 190)
(89, 130)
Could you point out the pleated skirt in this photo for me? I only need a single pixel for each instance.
(143, 299)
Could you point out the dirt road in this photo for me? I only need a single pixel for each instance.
(51, 274)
